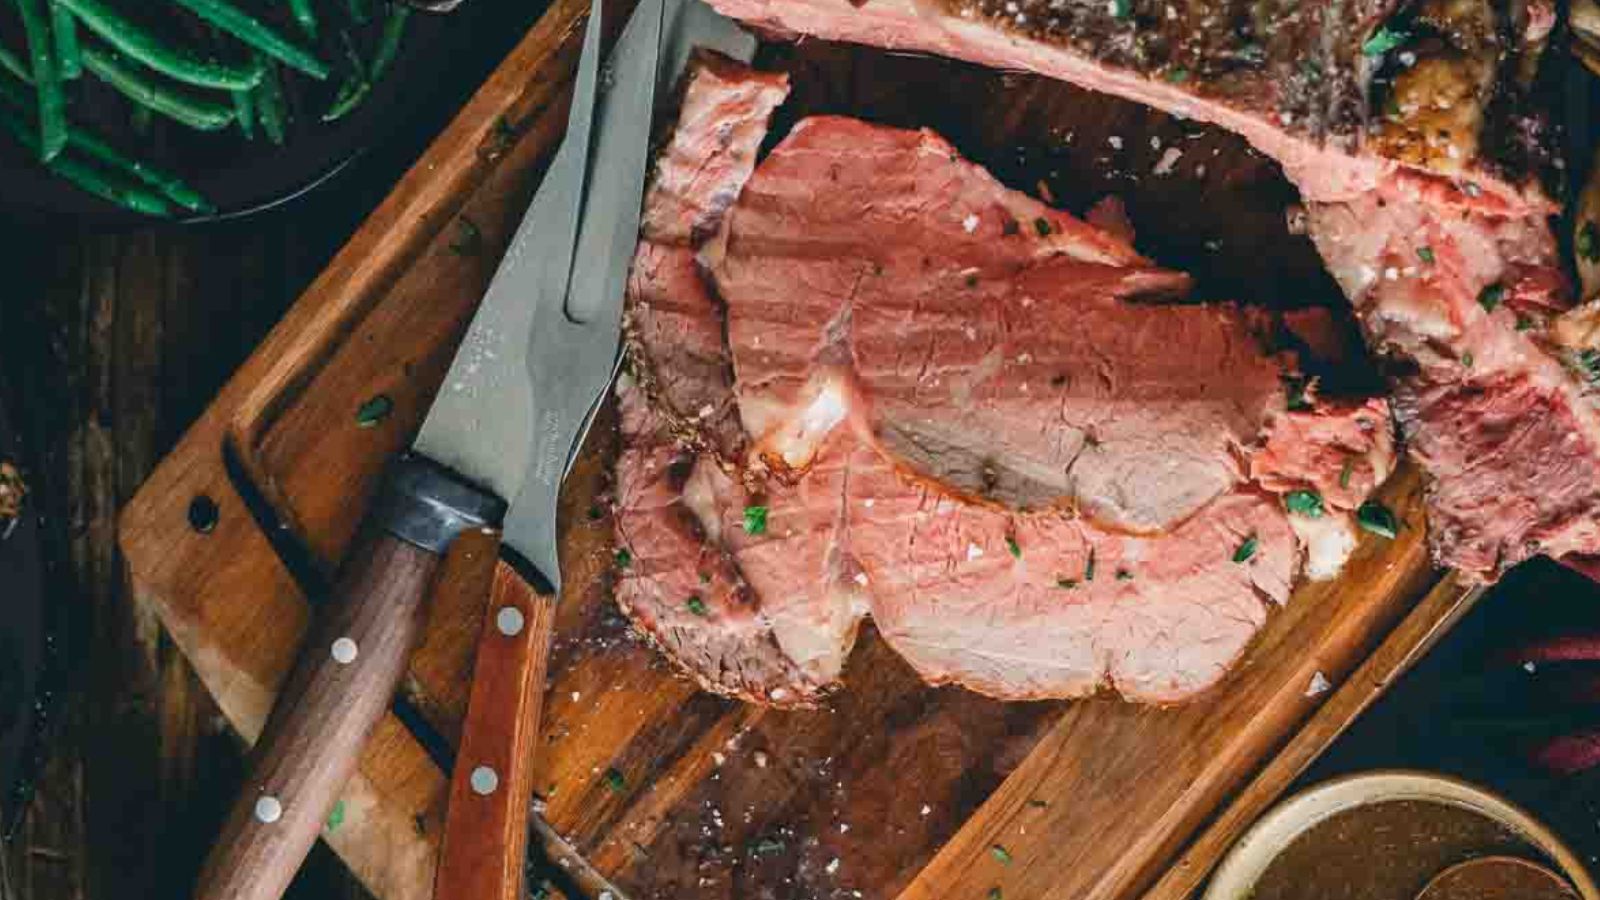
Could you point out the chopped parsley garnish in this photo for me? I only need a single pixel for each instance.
(1383, 40)
(1466, 359)
(1012, 547)
(1246, 550)
(1295, 391)
(766, 847)
(1587, 242)
(755, 520)
(1042, 225)
(370, 413)
(1490, 297)
(994, 894)
(695, 605)
(335, 817)
(624, 558)
(1346, 470)
(1524, 323)
(1122, 9)
(1425, 253)
(1088, 567)
(1066, 584)
(1376, 518)
(468, 240)
(1000, 853)
(615, 781)
(1036, 803)
(1178, 75)
(1124, 575)
(1305, 503)
(1589, 361)
(972, 281)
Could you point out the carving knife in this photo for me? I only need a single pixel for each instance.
(501, 436)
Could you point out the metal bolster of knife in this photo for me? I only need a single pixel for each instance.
(429, 506)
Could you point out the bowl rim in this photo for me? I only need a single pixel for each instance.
(1249, 856)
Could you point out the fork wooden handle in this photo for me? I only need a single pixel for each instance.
(486, 825)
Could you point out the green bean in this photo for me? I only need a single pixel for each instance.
(46, 80)
(257, 34)
(123, 193)
(202, 115)
(66, 33)
(10, 63)
(394, 28)
(107, 186)
(269, 106)
(351, 93)
(244, 105)
(306, 15)
(139, 43)
(97, 149)
(358, 10)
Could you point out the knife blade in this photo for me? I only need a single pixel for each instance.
(502, 434)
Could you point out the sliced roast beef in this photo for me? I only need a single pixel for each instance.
(674, 326)
(1415, 129)
(1024, 606)
(989, 341)
(768, 617)
(960, 407)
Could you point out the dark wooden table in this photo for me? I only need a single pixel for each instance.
(111, 342)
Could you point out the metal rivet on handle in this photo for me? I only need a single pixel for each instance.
(345, 651)
(484, 781)
(509, 620)
(268, 809)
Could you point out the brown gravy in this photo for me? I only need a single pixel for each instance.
(1383, 851)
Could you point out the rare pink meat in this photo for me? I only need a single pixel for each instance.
(989, 341)
(1024, 606)
(958, 411)
(1417, 145)
(674, 326)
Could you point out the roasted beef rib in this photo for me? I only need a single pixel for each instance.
(1414, 137)
(918, 395)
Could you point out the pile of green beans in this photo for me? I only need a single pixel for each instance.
(235, 82)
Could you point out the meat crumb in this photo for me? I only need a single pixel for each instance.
(1168, 161)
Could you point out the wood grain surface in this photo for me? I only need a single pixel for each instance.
(644, 783)
(112, 343)
(486, 823)
(342, 682)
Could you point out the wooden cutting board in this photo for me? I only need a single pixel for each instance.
(643, 782)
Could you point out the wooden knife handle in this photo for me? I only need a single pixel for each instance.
(486, 825)
(350, 663)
